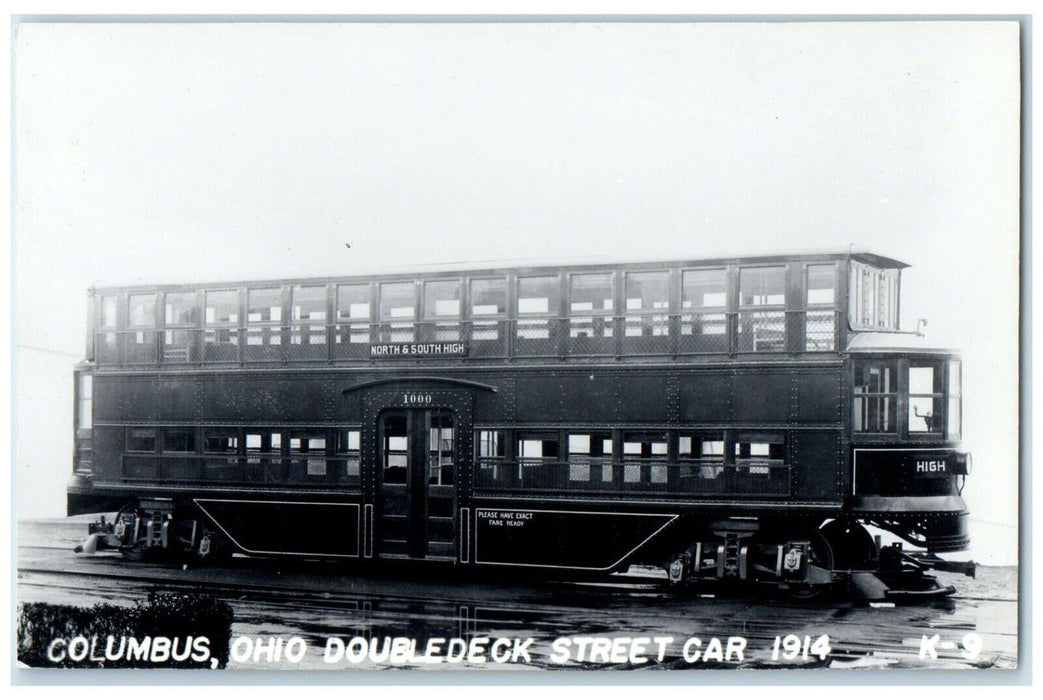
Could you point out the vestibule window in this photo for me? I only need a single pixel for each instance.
(926, 394)
(83, 401)
(954, 413)
(873, 298)
(876, 396)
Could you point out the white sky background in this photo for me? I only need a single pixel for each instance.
(171, 153)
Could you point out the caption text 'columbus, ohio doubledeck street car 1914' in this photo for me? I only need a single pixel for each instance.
(738, 419)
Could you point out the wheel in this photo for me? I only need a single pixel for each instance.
(853, 547)
(821, 555)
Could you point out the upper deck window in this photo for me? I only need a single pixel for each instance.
(308, 311)
(398, 305)
(264, 305)
(180, 309)
(442, 299)
(647, 292)
(308, 304)
(108, 312)
(647, 303)
(353, 313)
(397, 300)
(762, 330)
(762, 286)
(353, 302)
(264, 315)
(704, 299)
(821, 285)
(222, 308)
(538, 295)
(591, 293)
(488, 297)
(820, 319)
(141, 311)
(873, 298)
(704, 289)
(590, 304)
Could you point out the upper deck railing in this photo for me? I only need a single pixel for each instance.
(722, 333)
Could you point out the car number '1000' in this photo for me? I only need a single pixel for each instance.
(417, 399)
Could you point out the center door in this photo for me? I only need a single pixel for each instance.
(417, 477)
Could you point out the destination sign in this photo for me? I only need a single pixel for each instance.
(418, 350)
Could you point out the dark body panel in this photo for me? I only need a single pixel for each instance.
(584, 417)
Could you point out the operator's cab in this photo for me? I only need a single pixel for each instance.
(907, 468)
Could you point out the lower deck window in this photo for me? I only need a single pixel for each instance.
(309, 447)
(644, 451)
(221, 441)
(262, 444)
(179, 440)
(590, 456)
(758, 454)
(348, 449)
(702, 453)
(141, 439)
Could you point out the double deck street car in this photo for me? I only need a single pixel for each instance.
(730, 419)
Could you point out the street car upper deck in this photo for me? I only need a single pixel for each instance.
(796, 305)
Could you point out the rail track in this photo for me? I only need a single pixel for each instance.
(316, 602)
